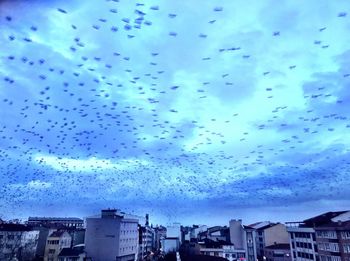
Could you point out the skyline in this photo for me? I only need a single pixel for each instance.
(178, 110)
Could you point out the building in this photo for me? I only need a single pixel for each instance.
(236, 242)
(111, 236)
(56, 221)
(302, 242)
(146, 239)
(328, 237)
(190, 233)
(160, 233)
(277, 252)
(268, 234)
(78, 236)
(174, 231)
(332, 231)
(172, 241)
(333, 235)
(56, 241)
(196, 230)
(243, 238)
(17, 242)
(217, 233)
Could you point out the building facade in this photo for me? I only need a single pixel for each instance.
(243, 238)
(321, 238)
(56, 241)
(302, 242)
(111, 237)
(268, 234)
(146, 239)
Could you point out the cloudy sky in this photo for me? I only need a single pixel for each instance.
(191, 111)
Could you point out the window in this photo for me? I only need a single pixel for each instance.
(333, 247)
(326, 234)
(52, 251)
(335, 258)
(346, 248)
(345, 234)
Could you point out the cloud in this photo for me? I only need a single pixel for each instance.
(90, 164)
(244, 107)
(33, 185)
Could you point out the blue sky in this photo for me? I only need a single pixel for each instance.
(192, 111)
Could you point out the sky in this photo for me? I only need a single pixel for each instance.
(191, 111)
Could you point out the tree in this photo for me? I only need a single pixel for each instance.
(10, 245)
(17, 242)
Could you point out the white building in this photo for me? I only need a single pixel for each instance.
(302, 242)
(172, 241)
(243, 238)
(111, 237)
(174, 231)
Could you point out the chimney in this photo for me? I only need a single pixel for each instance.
(147, 220)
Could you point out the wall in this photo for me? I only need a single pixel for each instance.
(102, 238)
(237, 234)
(278, 234)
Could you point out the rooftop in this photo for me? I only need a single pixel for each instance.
(58, 233)
(70, 252)
(323, 219)
(279, 246)
(54, 219)
(14, 227)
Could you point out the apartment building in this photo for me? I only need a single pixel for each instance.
(112, 236)
(268, 234)
(325, 237)
(56, 241)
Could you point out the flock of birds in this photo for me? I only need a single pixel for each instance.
(112, 106)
